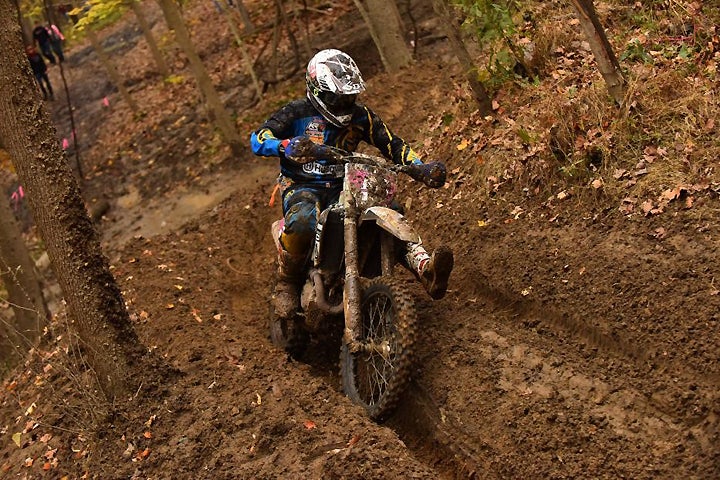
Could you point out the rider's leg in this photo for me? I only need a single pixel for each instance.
(433, 270)
(301, 210)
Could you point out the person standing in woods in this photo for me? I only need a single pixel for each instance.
(56, 41)
(330, 115)
(41, 37)
(40, 71)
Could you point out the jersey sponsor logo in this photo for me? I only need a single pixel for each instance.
(314, 168)
(315, 130)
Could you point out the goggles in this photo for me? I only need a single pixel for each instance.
(336, 101)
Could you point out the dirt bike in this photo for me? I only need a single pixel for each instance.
(358, 241)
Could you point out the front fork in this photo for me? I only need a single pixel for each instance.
(353, 291)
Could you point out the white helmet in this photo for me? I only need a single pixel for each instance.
(333, 83)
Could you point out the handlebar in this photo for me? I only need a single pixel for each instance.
(341, 157)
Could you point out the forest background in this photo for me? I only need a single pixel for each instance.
(582, 324)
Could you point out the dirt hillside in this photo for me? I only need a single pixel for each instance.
(579, 338)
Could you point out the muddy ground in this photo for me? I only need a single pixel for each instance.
(576, 341)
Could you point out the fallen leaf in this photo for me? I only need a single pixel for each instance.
(11, 386)
(647, 206)
(29, 462)
(597, 183)
(147, 434)
(150, 420)
(463, 144)
(659, 233)
(309, 424)
(46, 438)
(16, 438)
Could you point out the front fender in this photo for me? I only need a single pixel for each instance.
(391, 221)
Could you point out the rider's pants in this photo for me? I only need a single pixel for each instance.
(302, 205)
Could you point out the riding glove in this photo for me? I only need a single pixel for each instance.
(432, 174)
(299, 149)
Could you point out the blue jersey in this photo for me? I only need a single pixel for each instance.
(300, 118)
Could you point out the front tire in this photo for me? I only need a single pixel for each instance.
(376, 375)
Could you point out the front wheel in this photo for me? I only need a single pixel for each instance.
(376, 374)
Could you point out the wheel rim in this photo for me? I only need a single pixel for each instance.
(375, 362)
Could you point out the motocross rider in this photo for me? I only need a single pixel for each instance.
(330, 115)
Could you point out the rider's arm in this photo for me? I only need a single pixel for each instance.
(282, 125)
(264, 143)
(390, 145)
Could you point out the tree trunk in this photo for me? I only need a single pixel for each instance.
(17, 273)
(24, 24)
(93, 299)
(222, 118)
(111, 70)
(245, 15)
(601, 48)
(386, 32)
(152, 44)
(243, 50)
(471, 72)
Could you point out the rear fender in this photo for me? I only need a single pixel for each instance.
(392, 222)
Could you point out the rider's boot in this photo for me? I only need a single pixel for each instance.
(433, 270)
(286, 297)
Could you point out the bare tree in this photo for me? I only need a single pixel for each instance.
(111, 70)
(17, 273)
(245, 15)
(109, 344)
(222, 118)
(147, 33)
(383, 21)
(243, 50)
(471, 71)
(601, 48)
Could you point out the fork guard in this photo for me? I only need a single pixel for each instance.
(392, 222)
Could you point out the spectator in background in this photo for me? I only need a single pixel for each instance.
(56, 41)
(41, 37)
(40, 70)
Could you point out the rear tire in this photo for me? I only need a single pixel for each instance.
(377, 375)
(287, 333)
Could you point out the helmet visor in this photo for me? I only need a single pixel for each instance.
(337, 103)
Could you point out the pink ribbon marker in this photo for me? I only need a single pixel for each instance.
(106, 102)
(65, 144)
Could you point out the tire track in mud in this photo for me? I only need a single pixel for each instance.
(439, 440)
(530, 313)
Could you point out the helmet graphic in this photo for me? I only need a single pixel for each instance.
(333, 83)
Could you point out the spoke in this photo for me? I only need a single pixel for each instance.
(377, 358)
